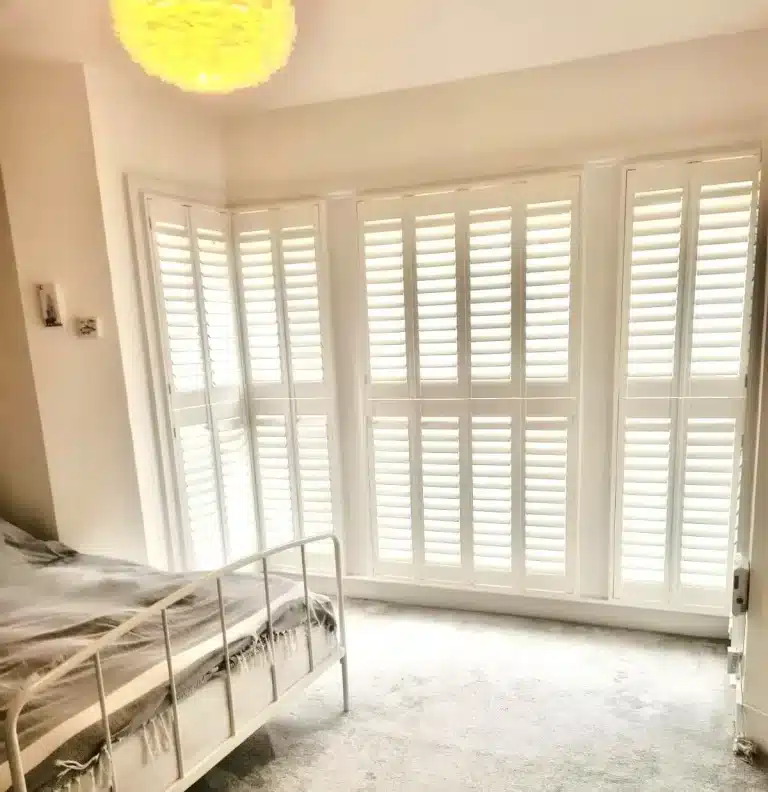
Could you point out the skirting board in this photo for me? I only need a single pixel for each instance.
(596, 612)
(756, 726)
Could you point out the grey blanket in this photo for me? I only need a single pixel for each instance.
(54, 601)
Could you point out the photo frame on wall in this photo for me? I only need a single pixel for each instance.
(50, 305)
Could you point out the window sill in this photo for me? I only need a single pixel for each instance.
(559, 607)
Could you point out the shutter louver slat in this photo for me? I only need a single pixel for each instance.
(645, 494)
(490, 289)
(315, 475)
(656, 229)
(385, 289)
(440, 472)
(436, 297)
(237, 487)
(302, 302)
(707, 498)
(173, 250)
(218, 306)
(274, 479)
(547, 290)
(392, 488)
(492, 492)
(257, 270)
(723, 243)
(546, 480)
(200, 487)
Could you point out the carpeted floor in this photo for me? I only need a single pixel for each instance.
(457, 702)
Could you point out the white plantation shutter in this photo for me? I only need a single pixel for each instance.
(689, 249)
(302, 299)
(469, 296)
(546, 485)
(203, 511)
(494, 451)
(286, 310)
(491, 280)
(548, 290)
(441, 490)
(274, 477)
(382, 246)
(392, 488)
(722, 265)
(708, 502)
(654, 271)
(646, 448)
(436, 296)
(243, 318)
(200, 339)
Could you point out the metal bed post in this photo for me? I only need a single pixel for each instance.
(308, 606)
(227, 669)
(105, 717)
(174, 697)
(342, 620)
(270, 632)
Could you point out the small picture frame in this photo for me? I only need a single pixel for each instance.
(50, 305)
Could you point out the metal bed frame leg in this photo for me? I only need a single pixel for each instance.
(342, 621)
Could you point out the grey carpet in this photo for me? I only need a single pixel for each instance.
(454, 702)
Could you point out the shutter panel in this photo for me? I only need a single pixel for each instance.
(490, 290)
(200, 494)
(385, 290)
(172, 246)
(259, 295)
(656, 227)
(688, 265)
(237, 481)
(435, 254)
(545, 487)
(315, 475)
(392, 488)
(302, 300)
(441, 490)
(460, 285)
(274, 477)
(722, 261)
(708, 503)
(645, 499)
(492, 492)
(219, 311)
(547, 290)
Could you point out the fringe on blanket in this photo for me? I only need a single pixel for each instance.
(157, 733)
(90, 776)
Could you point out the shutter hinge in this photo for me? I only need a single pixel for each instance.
(740, 603)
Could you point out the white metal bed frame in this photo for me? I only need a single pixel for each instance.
(93, 653)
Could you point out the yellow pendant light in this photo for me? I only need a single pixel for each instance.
(207, 46)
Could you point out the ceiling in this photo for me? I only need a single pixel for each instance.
(349, 48)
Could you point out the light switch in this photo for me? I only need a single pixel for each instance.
(88, 326)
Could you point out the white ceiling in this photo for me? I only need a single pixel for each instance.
(351, 48)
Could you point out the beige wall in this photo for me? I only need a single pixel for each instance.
(145, 134)
(680, 96)
(47, 157)
(25, 493)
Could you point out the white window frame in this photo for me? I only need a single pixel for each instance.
(463, 399)
(303, 400)
(649, 400)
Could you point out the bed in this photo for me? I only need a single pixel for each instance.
(115, 676)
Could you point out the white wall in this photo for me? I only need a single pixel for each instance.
(140, 132)
(704, 92)
(54, 207)
(25, 492)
